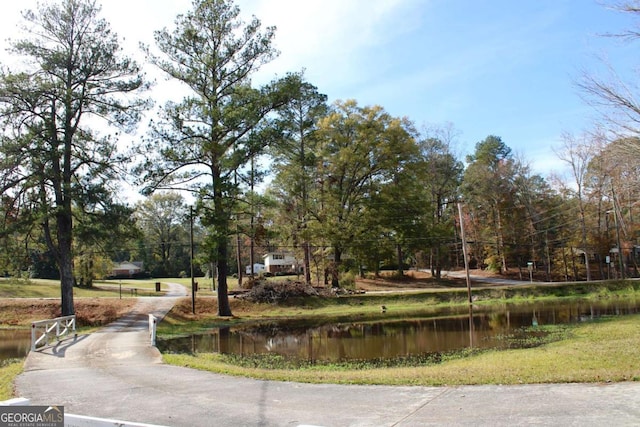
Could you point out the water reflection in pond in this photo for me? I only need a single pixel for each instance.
(14, 343)
(448, 330)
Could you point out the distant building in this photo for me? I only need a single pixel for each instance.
(257, 268)
(126, 269)
(281, 262)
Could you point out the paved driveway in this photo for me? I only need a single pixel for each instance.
(115, 373)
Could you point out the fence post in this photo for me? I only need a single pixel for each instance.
(152, 329)
(33, 337)
(73, 321)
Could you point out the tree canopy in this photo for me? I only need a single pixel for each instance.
(348, 188)
(52, 160)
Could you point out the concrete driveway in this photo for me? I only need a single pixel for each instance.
(115, 373)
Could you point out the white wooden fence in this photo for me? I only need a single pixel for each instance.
(45, 332)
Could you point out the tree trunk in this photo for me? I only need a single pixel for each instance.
(239, 256)
(252, 247)
(573, 264)
(399, 258)
(335, 268)
(65, 263)
(307, 263)
(224, 309)
(501, 248)
(548, 256)
(222, 231)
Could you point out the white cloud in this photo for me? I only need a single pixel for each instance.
(329, 38)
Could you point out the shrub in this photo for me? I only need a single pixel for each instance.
(493, 264)
(348, 280)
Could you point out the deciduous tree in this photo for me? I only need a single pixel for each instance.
(577, 153)
(163, 220)
(441, 175)
(361, 148)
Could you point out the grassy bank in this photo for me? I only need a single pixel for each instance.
(44, 288)
(9, 369)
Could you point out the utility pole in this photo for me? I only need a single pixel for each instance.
(464, 251)
(193, 284)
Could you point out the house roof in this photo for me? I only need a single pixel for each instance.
(126, 266)
(277, 253)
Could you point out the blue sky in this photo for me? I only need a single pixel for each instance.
(501, 67)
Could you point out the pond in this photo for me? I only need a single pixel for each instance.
(14, 343)
(438, 332)
(444, 331)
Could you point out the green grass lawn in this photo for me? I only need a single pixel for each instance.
(44, 288)
(9, 369)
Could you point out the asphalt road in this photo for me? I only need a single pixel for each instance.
(115, 373)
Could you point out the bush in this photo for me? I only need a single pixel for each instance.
(493, 264)
(348, 280)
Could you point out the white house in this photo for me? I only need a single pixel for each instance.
(278, 262)
(257, 268)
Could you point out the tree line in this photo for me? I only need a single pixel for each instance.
(351, 188)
